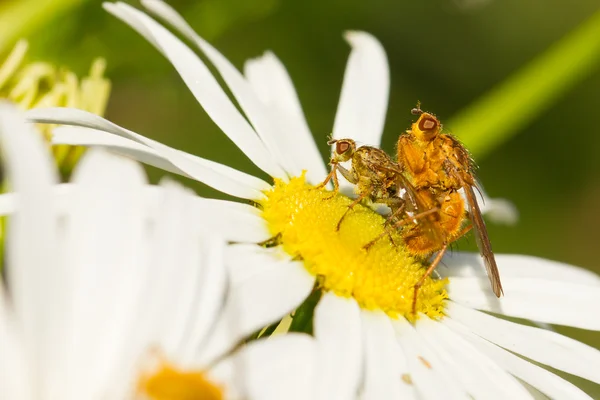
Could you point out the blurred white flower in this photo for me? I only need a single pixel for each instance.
(366, 344)
(114, 288)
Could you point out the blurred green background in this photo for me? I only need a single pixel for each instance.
(544, 147)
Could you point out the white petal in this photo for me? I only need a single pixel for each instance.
(171, 265)
(177, 252)
(210, 298)
(216, 175)
(65, 197)
(497, 210)
(34, 273)
(208, 92)
(17, 380)
(271, 287)
(179, 260)
(384, 366)
(269, 100)
(271, 81)
(554, 302)
(551, 385)
(266, 119)
(479, 375)
(261, 261)
(546, 347)
(516, 266)
(281, 367)
(500, 211)
(78, 136)
(235, 222)
(337, 329)
(106, 250)
(363, 102)
(429, 375)
(8, 203)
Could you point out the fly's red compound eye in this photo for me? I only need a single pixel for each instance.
(341, 147)
(428, 124)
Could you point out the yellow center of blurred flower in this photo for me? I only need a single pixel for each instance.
(169, 383)
(382, 277)
(41, 84)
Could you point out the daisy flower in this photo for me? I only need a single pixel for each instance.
(460, 346)
(113, 287)
(41, 84)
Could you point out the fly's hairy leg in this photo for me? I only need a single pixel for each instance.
(398, 206)
(402, 222)
(432, 267)
(332, 175)
(464, 231)
(350, 207)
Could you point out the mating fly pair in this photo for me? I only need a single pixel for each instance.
(423, 190)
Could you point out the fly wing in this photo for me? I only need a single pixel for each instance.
(408, 193)
(380, 162)
(483, 241)
(417, 205)
(460, 164)
(405, 190)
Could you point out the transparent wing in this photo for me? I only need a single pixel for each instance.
(483, 241)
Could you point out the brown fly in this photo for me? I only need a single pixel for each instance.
(378, 179)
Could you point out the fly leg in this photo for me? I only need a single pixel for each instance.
(351, 177)
(350, 207)
(432, 266)
(398, 204)
(407, 220)
(464, 231)
(335, 167)
(331, 176)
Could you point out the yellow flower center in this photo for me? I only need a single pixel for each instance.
(169, 383)
(382, 277)
(41, 84)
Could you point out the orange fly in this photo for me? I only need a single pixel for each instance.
(422, 188)
(438, 166)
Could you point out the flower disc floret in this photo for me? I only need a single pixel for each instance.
(381, 278)
(168, 383)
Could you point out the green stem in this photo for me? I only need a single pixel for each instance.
(504, 110)
(302, 321)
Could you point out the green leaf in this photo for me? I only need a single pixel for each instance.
(302, 320)
(521, 98)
